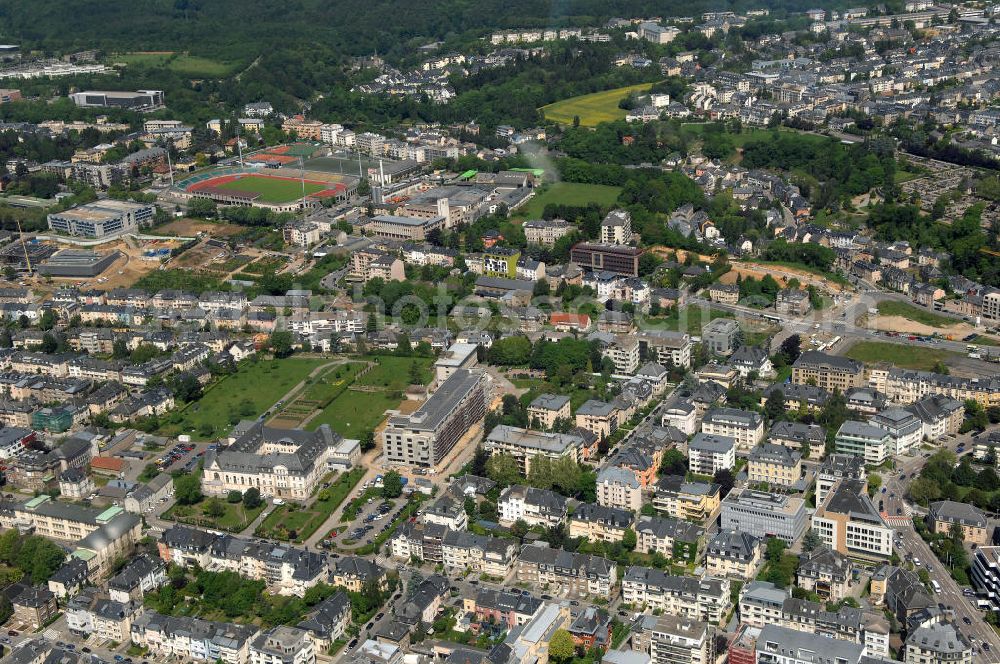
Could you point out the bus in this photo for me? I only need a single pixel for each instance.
(936, 586)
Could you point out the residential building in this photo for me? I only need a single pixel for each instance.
(825, 572)
(735, 555)
(937, 642)
(944, 515)
(863, 440)
(939, 416)
(280, 463)
(328, 621)
(792, 302)
(669, 349)
(837, 467)
(92, 613)
(546, 231)
(705, 599)
(547, 408)
(539, 507)
(829, 372)
(775, 465)
(192, 638)
(616, 228)
(599, 417)
(692, 501)
(746, 427)
(34, 606)
(597, 523)
(721, 336)
(140, 575)
(675, 539)
(765, 514)
(850, 524)
(576, 573)
(680, 640)
(591, 629)
(427, 436)
(619, 488)
(282, 645)
(782, 645)
(710, 453)
(682, 414)
(506, 607)
(905, 429)
(525, 445)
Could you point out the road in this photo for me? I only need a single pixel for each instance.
(914, 546)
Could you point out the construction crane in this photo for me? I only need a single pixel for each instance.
(27, 259)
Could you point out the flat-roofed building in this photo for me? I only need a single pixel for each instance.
(679, 640)
(403, 228)
(610, 257)
(709, 453)
(765, 514)
(867, 441)
(104, 218)
(457, 356)
(905, 429)
(746, 427)
(425, 437)
(693, 501)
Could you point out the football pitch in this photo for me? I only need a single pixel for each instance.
(271, 189)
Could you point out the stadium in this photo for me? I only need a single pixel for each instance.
(289, 190)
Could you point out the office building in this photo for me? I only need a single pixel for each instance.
(851, 525)
(721, 336)
(104, 218)
(610, 257)
(425, 437)
(765, 514)
(141, 100)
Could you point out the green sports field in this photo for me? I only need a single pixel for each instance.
(273, 190)
(594, 108)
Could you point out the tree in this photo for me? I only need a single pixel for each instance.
(214, 508)
(280, 343)
(503, 469)
(186, 387)
(724, 478)
(234, 496)
(774, 407)
(392, 485)
(811, 541)
(367, 440)
(203, 208)
(790, 349)
(519, 528)
(629, 540)
(874, 483)
(251, 498)
(561, 647)
(187, 489)
(674, 462)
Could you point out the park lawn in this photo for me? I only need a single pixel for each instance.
(907, 357)
(353, 413)
(569, 193)
(393, 373)
(248, 393)
(914, 313)
(272, 189)
(593, 108)
(688, 319)
(291, 519)
(234, 520)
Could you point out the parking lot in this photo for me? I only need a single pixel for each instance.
(374, 518)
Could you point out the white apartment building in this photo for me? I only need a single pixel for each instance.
(745, 426)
